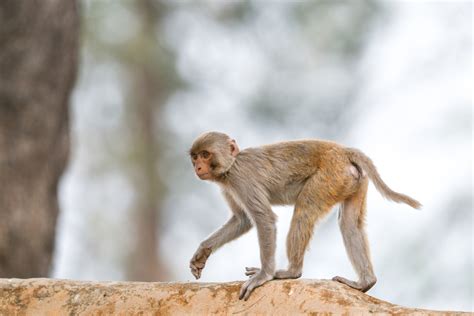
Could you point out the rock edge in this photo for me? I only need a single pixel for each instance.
(278, 297)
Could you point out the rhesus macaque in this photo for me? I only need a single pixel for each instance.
(311, 174)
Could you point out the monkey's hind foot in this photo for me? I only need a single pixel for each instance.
(362, 286)
(279, 274)
(287, 274)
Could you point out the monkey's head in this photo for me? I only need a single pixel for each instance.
(212, 155)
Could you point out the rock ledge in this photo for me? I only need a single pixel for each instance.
(288, 297)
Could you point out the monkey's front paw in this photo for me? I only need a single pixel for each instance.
(198, 261)
(255, 281)
(249, 271)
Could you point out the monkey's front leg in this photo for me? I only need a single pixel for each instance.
(266, 231)
(236, 226)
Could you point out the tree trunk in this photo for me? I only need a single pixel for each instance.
(38, 66)
(145, 98)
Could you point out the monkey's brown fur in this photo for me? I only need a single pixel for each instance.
(311, 174)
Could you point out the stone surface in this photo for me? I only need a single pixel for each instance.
(288, 297)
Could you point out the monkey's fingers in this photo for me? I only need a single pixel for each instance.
(247, 289)
(252, 283)
(251, 271)
(243, 289)
(247, 293)
(195, 271)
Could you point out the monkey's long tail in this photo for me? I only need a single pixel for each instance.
(360, 159)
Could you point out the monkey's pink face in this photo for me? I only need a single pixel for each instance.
(202, 164)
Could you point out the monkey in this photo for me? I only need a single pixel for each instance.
(312, 175)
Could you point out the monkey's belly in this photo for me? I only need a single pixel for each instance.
(286, 195)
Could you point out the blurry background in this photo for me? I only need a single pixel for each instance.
(391, 78)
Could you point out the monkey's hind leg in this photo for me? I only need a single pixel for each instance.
(351, 223)
(314, 202)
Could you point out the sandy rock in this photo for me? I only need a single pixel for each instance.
(283, 297)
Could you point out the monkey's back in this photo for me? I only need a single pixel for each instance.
(300, 155)
(284, 167)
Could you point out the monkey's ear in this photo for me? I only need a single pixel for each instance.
(234, 149)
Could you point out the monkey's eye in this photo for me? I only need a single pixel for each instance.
(194, 157)
(205, 154)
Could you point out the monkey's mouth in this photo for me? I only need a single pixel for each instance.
(203, 175)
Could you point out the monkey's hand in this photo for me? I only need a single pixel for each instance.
(255, 281)
(198, 261)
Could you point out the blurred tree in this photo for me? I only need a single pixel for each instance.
(144, 76)
(38, 65)
(146, 67)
